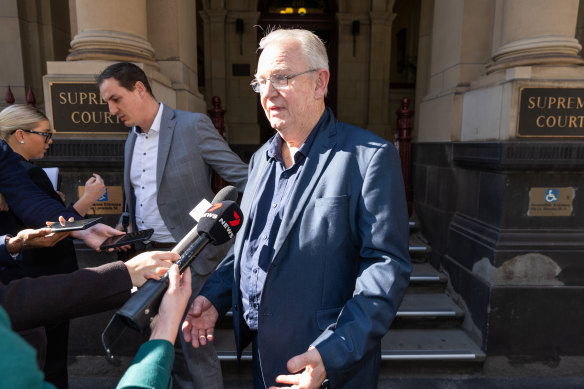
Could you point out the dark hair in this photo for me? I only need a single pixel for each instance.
(127, 74)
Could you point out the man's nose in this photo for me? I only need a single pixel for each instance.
(112, 108)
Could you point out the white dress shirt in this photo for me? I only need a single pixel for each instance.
(143, 179)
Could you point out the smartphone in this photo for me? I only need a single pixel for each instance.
(75, 225)
(130, 237)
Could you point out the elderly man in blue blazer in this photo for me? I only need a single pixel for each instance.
(321, 264)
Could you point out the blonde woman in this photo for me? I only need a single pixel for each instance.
(28, 132)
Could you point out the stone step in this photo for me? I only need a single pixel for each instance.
(413, 225)
(430, 345)
(418, 310)
(419, 249)
(404, 345)
(421, 306)
(425, 278)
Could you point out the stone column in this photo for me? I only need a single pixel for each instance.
(215, 67)
(176, 49)
(379, 64)
(112, 30)
(535, 32)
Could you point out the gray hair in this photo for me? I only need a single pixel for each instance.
(19, 116)
(312, 47)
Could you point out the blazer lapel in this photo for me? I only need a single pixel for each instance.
(129, 152)
(314, 166)
(167, 125)
(251, 188)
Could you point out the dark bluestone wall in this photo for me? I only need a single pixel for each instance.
(519, 275)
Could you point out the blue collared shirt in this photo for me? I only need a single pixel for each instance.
(274, 192)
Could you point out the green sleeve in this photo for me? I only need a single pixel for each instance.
(151, 367)
(18, 363)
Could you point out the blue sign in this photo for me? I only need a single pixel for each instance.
(104, 197)
(551, 195)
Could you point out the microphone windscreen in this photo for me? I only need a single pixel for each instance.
(227, 193)
(221, 222)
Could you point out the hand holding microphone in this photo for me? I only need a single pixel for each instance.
(218, 225)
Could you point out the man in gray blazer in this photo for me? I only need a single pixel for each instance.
(169, 158)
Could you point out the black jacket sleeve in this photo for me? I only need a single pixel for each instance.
(35, 302)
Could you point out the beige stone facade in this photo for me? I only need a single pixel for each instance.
(464, 60)
(464, 64)
(193, 51)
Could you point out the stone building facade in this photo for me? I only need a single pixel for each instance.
(497, 87)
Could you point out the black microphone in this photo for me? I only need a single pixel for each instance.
(217, 226)
(143, 305)
(227, 193)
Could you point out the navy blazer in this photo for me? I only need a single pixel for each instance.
(29, 203)
(340, 263)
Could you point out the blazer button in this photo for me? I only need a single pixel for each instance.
(235, 307)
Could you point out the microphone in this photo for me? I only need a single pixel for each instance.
(227, 193)
(217, 226)
(139, 310)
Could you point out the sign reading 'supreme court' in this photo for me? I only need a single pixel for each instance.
(77, 108)
(551, 112)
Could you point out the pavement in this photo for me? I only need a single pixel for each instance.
(494, 373)
(398, 383)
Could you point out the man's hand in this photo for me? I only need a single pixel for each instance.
(40, 238)
(173, 305)
(200, 322)
(150, 265)
(94, 236)
(311, 377)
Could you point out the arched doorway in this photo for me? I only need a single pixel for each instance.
(314, 15)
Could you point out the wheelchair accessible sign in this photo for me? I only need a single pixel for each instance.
(551, 201)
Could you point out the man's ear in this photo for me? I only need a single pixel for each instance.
(322, 80)
(140, 88)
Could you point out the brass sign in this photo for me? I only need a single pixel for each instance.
(551, 201)
(551, 112)
(77, 108)
(109, 204)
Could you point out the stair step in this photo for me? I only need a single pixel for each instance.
(418, 248)
(428, 355)
(418, 310)
(430, 345)
(424, 273)
(428, 305)
(397, 345)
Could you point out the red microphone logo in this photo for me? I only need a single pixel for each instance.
(236, 220)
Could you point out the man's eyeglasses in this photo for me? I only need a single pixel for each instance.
(47, 135)
(278, 81)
